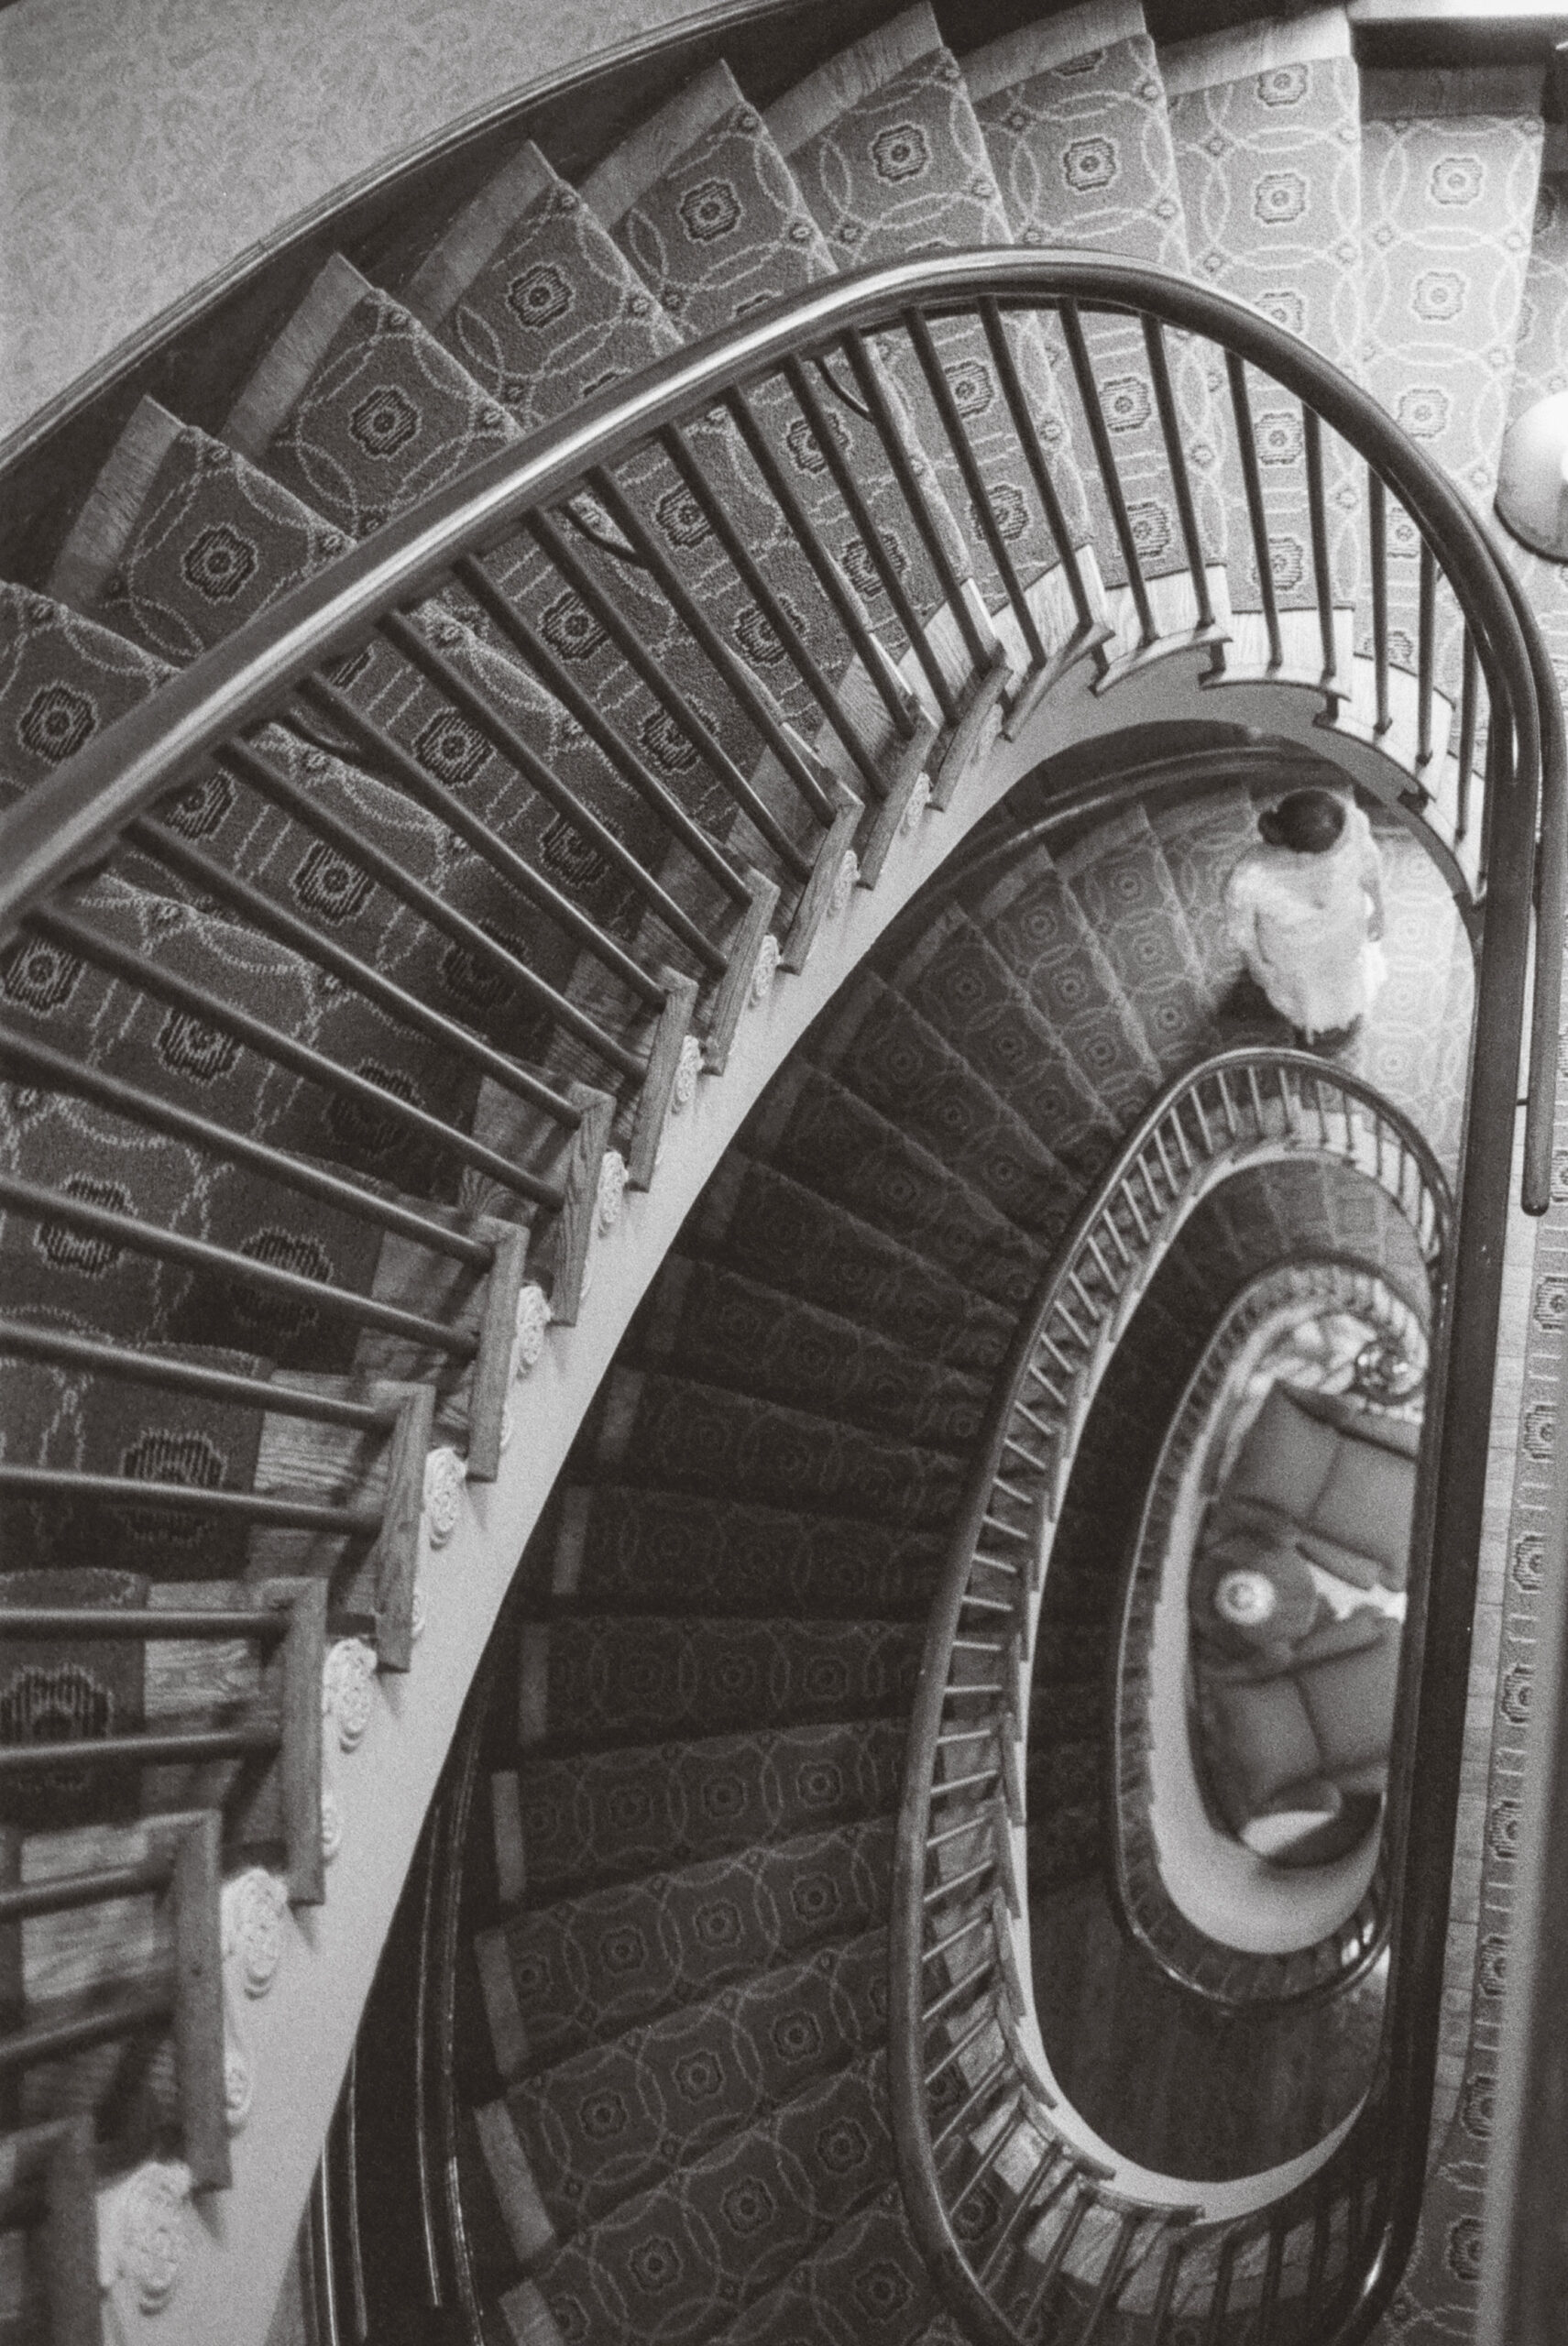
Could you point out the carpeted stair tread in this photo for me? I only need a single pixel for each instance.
(565, 1823)
(182, 539)
(629, 1545)
(584, 1970)
(532, 292)
(966, 992)
(591, 1679)
(361, 411)
(1074, 117)
(1076, 125)
(687, 1436)
(761, 1224)
(105, 1021)
(66, 677)
(74, 1422)
(865, 2285)
(814, 1127)
(709, 1323)
(708, 213)
(1123, 885)
(1450, 165)
(887, 150)
(700, 2245)
(608, 2124)
(879, 1044)
(1265, 129)
(70, 1275)
(1032, 919)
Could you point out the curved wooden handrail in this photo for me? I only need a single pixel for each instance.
(1420, 1187)
(74, 819)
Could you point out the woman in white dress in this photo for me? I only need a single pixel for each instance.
(1305, 910)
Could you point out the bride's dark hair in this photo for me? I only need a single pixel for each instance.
(1309, 822)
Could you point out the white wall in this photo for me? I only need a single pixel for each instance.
(145, 143)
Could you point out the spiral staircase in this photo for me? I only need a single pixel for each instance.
(612, 871)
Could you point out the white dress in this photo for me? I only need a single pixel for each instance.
(1303, 924)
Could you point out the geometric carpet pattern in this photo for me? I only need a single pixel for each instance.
(696, 1769)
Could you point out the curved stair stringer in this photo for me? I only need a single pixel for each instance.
(178, 2270)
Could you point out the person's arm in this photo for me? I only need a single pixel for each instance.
(1372, 881)
(1241, 909)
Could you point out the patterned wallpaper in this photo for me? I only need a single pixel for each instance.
(144, 143)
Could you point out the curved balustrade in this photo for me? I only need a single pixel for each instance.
(498, 1130)
(1065, 2235)
(1313, 1961)
(1475, 724)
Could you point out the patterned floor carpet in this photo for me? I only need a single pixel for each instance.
(680, 1998)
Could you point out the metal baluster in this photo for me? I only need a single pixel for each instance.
(961, 2046)
(20, 1339)
(274, 1044)
(1272, 2272)
(1176, 463)
(1135, 1211)
(275, 920)
(1286, 1100)
(1469, 697)
(1164, 2294)
(241, 760)
(1112, 2275)
(684, 456)
(1005, 2134)
(1426, 652)
(1322, 2233)
(742, 686)
(1036, 2200)
(809, 402)
(972, 2101)
(584, 710)
(948, 1889)
(199, 1254)
(1228, 1105)
(1060, 2250)
(1201, 1113)
(186, 1499)
(977, 1921)
(973, 1982)
(381, 745)
(1377, 529)
(874, 659)
(150, 1108)
(1018, 406)
(537, 771)
(1109, 477)
(977, 642)
(602, 609)
(1214, 2328)
(947, 1784)
(919, 333)
(1255, 1093)
(1316, 507)
(1257, 512)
